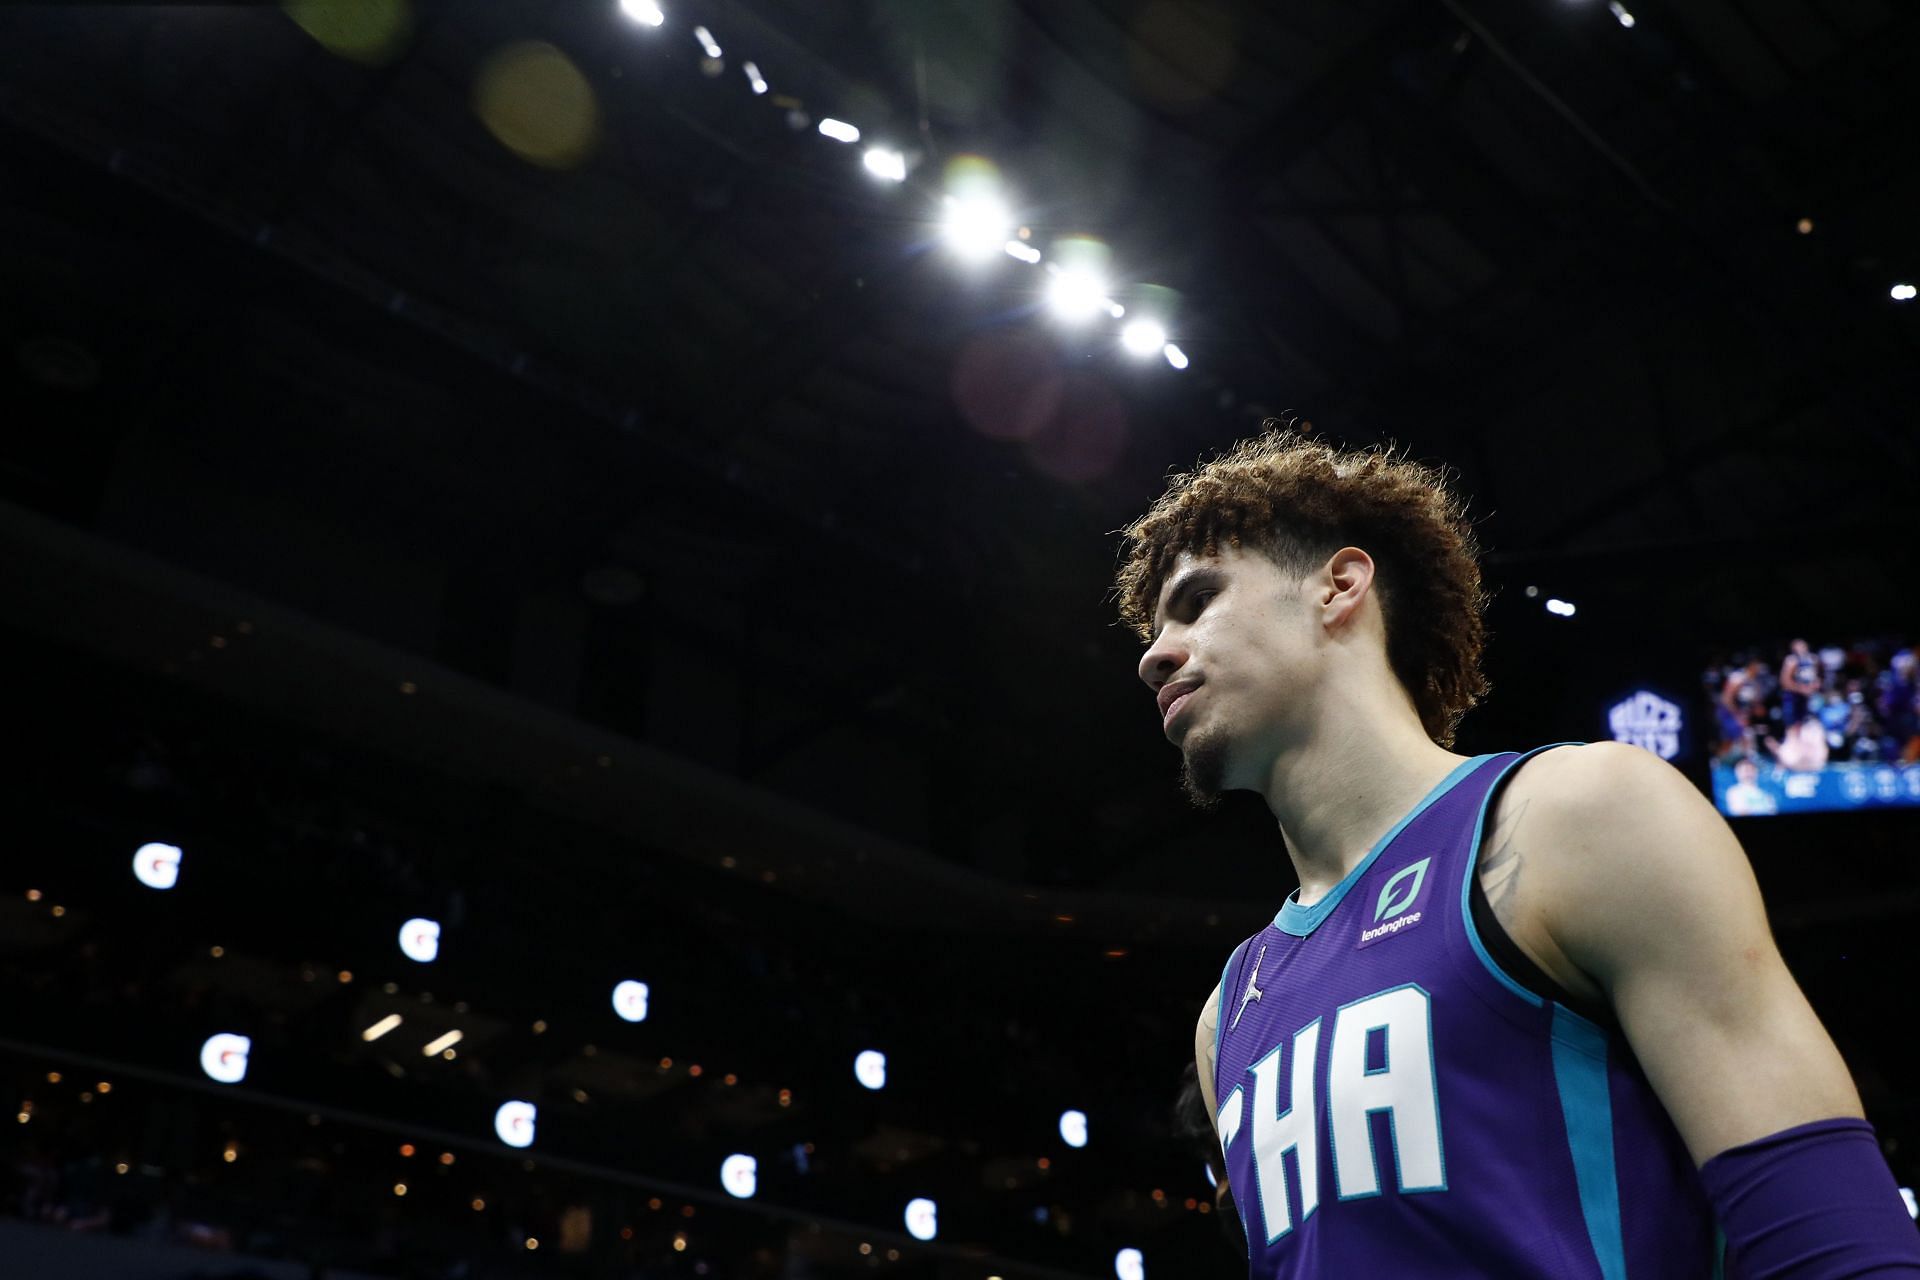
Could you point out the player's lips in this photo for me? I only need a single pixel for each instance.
(1171, 696)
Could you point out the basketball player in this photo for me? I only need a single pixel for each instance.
(1523, 1016)
(1799, 681)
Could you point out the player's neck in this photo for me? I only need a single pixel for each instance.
(1337, 796)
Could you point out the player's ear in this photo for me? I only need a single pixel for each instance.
(1343, 582)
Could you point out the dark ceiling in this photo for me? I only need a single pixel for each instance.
(704, 439)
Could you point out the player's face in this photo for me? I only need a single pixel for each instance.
(1233, 629)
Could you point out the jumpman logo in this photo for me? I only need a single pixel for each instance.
(1253, 991)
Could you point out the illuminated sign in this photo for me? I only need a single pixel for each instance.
(1646, 719)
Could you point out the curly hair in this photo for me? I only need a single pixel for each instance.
(1297, 501)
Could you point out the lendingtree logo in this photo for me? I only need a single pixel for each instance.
(1391, 904)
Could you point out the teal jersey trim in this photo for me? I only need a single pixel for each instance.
(1586, 1105)
(1301, 921)
(1473, 867)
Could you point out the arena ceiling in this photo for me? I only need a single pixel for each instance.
(701, 437)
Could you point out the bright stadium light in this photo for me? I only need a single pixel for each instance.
(630, 1000)
(1022, 250)
(514, 1123)
(922, 1218)
(643, 11)
(870, 1068)
(1128, 1264)
(738, 1176)
(976, 225)
(1073, 1128)
(838, 130)
(707, 42)
(1904, 292)
(1076, 295)
(1620, 12)
(380, 1028)
(1175, 356)
(1208, 1170)
(883, 162)
(1144, 337)
(420, 939)
(441, 1044)
(157, 866)
(755, 81)
(224, 1057)
(1560, 608)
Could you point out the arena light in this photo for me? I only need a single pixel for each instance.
(838, 130)
(1175, 356)
(976, 225)
(442, 1044)
(739, 1175)
(755, 80)
(157, 866)
(1904, 292)
(645, 11)
(1560, 608)
(420, 939)
(1620, 12)
(1073, 1128)
(870, 1068)
(923, 1218)
(1076, 295)
(380, 1028)
(1913, 1205)
(884, 162)
(514, 1123)
(707, 42)
(1022, 250)
(630, 1000)
(1128, 1264)
(224, 1057)
(1144, 337)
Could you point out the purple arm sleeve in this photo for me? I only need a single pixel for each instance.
(1814, 1202)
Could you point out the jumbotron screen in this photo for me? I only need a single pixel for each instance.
(1815, 724)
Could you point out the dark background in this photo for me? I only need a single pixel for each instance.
(623, 560)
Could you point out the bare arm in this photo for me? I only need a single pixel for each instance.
(1646, 889)
(1204, 1034)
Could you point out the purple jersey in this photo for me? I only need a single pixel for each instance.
(1393, 1102)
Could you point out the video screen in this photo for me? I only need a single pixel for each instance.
(1812, 725)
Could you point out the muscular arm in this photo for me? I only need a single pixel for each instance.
(1204, 1034)
(1644, 887)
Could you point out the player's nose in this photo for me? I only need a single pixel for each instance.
(1162, 659)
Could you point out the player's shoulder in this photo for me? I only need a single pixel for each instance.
(1605, 808)
(1573, 781)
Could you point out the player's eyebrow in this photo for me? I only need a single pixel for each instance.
(1182, 587)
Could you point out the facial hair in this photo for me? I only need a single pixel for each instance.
(1203, 769)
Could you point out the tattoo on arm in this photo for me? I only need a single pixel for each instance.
(1500, 863)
